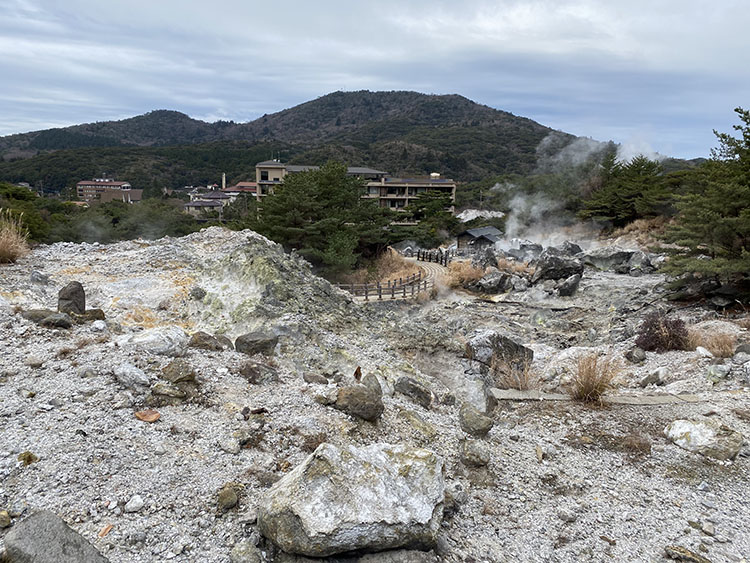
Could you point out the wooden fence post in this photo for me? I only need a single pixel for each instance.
(380, 292)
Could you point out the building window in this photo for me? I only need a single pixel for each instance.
(264, 175)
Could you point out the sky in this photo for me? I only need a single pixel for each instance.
(654, 75)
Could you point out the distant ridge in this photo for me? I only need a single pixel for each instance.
(402, 132)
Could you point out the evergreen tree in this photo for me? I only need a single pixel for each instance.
(713, 225)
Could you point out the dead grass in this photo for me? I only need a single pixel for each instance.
(720, 344)
(743, 322)
(514, 267)
(513, 375)
(594, 376)
(13, 237)
(389, 266)
(645, 232)
(461, 274)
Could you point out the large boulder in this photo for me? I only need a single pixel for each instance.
(611, 258)
(568, 248)
(45, 538)
(256, 342)
(569, 286)
(360, 401)
(707, 437)
(72, 299)
(494, 281)
(524, 250)
(639, 264)
(552, 265)
(487, 345)
(343, 499)
(414, 390)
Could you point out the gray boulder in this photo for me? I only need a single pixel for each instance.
(568, 248)
(414, 390)
(474, 453)
(552, 265)
(610, 258)
(205, 341)
(524, 250)
(360, 401)
(494, 281)
(57, 320)
(43, 537)
(256, 342)
(707, 437)
(473, 422)
(569, 286)
(372, 498)
(487, 345)
(72, 299)
(639, 263)
(131, 377)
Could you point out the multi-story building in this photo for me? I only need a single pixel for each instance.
(102, 190)
(394, 193)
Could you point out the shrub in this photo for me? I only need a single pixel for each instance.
(719, 344)
(594, 376)
(13, 237)
(513, 375)
(660, 333)
(461, 274)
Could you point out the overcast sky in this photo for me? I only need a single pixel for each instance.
(655, 74)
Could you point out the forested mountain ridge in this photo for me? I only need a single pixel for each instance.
(402, 132)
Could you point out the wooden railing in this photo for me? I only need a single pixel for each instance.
(438, 256)
(399, 288)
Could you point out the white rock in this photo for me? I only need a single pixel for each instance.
(166, 340)
(341, 499)
(703, 353)
(706, 437)
(131, 376)
(99, 326)
(134, 504)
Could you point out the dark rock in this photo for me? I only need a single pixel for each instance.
(178, 371)
(400, 556)
(227, 498)
(474, 453)
(489, 344)
(197, 293)
(89, 316)
(524, 250)
(568, 248)
(554, 266)
(45, 538)
(72, 299)
(315, 378)
(743, 348)
(37, 315)
(163, 393)
(640, 263)
(205, 341)
(611, 258)
(484, 258)
(224, 341)
(635, 355)
(493, 281)
(257, 342)
(372, 382)
(414, 390)
(569, 286)
(57, 320)
(474, 422)
(258, 374)
(360, 401)
(39, 277)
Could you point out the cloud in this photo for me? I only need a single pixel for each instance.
(669, 72)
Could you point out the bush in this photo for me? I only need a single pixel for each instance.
(461, 274)
(593, 378)
(13, 236)
(659, 333)
(719, 344)
(513, 374)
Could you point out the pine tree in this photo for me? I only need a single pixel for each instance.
(713, 225)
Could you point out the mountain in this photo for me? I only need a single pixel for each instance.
(402, 132)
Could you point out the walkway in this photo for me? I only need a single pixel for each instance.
(432, 271)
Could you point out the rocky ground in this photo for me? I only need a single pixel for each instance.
(549, 480)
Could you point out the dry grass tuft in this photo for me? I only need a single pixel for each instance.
(743, 322)
(645, 232)
(461, 274)
(13, 237)
(594, 377)
(514, 267)
(513, 375)
(720, 344)
(389, 266)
